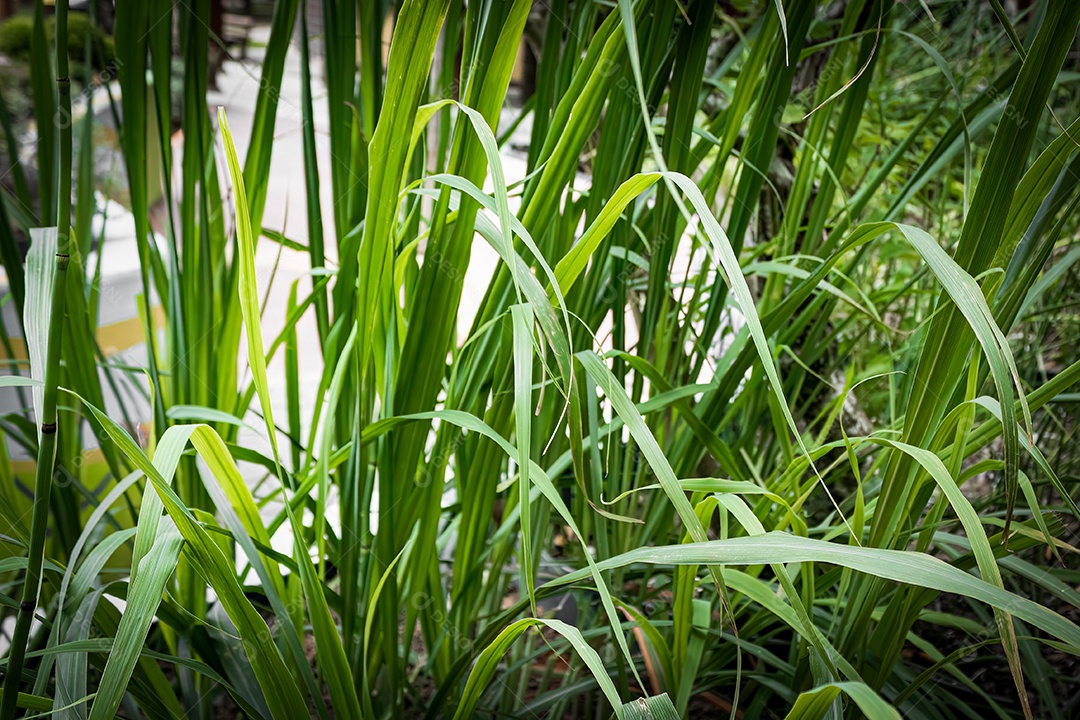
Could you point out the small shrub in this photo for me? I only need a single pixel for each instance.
(17, 31)
(15, 35)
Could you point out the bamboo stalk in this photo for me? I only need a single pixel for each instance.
(43, 478)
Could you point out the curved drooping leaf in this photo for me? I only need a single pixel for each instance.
(815, 704)
(489, 659)
(897, 565)
(283, 696)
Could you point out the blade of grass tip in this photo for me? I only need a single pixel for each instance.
(862, 68)
(783, 29)
(574, 262)
(46, 458)
(34, 702)
(249, 297)
(166, 457)
(509, 225)
(373, 601)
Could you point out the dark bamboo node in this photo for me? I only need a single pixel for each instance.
(48, 428)
(28, 605)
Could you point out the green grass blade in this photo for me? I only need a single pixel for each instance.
(283, 696)
(817, 703)
(487, 663)
(155, 569)
(896, 565)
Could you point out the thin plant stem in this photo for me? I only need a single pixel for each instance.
(46, 459)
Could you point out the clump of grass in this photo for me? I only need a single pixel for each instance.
(710, 441)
